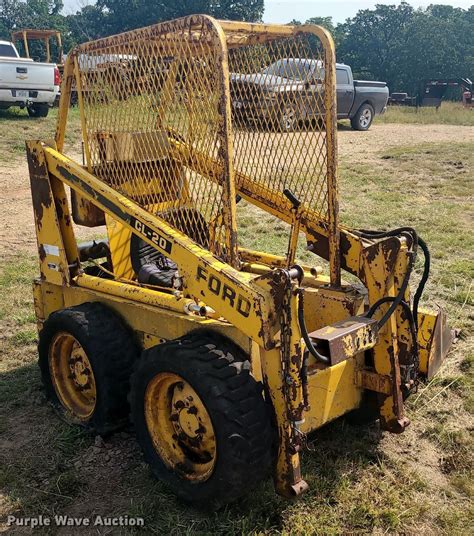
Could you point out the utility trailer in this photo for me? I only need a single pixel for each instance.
(431, 93)
(224, 357)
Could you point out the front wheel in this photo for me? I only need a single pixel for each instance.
(363, 118)
(38, 110)
(201, 419)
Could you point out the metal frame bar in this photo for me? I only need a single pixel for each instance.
(238, 297)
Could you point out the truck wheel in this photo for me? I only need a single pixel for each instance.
(363, 118)
(38, 110)
(86, 355)
(288, 118)
(201, 419)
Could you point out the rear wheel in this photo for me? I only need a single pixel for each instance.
(38, 110)
(201, 419)
(86, 355)
(363, 118)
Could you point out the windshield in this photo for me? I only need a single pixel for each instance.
(294, 69)
(7, 51)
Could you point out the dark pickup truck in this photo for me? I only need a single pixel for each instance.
(288, 93)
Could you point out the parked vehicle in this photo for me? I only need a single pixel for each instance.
(431, 93)
(26, 83)
(255, 96)
(401, 99)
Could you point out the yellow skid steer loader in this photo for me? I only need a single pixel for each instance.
(224, 357)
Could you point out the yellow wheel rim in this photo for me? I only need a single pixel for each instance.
(72, 376)
(180, 427)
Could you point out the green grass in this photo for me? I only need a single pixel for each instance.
(22, 127)
(15, 290)
(450, 113)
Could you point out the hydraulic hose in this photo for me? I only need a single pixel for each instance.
(423, 280)
(395, 301)
(408, 312)
(304, 332)
(413, 331)
(417, 241)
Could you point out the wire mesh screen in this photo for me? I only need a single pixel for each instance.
(157, 106)
(278, 111)
(151, 108)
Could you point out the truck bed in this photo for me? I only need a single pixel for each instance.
(369, 83)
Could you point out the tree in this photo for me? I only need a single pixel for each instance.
(145, 12)
(38, 14)
(374, 40)
(87, 24)
(404, 46)
(41, 14)
(439, 44)
(325, 22)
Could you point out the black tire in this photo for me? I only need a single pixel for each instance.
(38, 110)
(218, 371)
(363, 118)
(112, 352)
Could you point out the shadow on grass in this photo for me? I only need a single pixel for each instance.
(14, 114)
(40, 474)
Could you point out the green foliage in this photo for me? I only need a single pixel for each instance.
(403, 46)
(394, 43)
(325, 22)
(106, 17)
(38, 14)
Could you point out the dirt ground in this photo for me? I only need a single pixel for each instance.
(63, 471)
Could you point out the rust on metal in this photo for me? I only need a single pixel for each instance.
(346, 338)
(434, 339)
(373, 381)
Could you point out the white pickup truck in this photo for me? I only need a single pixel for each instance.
(26, 83)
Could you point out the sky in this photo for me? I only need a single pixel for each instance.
(285, 10)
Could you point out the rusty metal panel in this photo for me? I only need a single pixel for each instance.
(54, 233)
(434, 340)
(332, 393)
(373, 381)
(347, 338)
(325, 306)
(84, 212)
